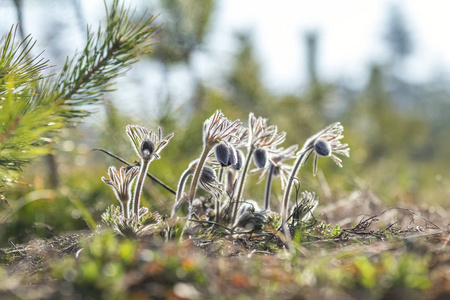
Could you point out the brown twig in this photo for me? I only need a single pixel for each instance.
(213, 223)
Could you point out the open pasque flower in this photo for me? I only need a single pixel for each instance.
(326, 143)
(216, 129)
(261, 135)
(147, 143)
(260, 138)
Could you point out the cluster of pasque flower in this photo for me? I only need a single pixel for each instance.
(222, 154)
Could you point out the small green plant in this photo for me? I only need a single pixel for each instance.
(221, 155)
(100, 270)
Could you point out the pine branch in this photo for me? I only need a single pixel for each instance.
(33, 107)
(15, 60)
(107, 55)
(23, 125)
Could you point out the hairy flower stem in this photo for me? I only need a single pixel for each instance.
(242, 183)
(139, 186)
(125, 209)
(130, 165)
(218, 202)
(287, 192)
(198, 171)
(180, 189)
(268, 187)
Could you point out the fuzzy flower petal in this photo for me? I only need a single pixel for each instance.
(121, 181)
(217, 129)
(147, 143)
(326, 143)
(261, 135)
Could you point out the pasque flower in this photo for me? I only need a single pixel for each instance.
(226, 154)
(276, 168)
(208, 181)
(324, 143)
(147, 144)
(260, 138)
(260, 157)
(121, 182)
(216, 129)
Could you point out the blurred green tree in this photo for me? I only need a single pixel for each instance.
(247, 90)
(185, 25)
(398, 37)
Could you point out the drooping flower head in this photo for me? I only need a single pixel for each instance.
(260, 157)
(238, 165)
(208, 181)
(121, 181)
(217, 129)
(147, 143)
(226, 154)
(326, 143)
(250, 217)
(276, 158)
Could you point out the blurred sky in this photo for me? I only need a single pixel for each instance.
(351, 35)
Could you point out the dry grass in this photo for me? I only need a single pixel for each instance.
(396, 253)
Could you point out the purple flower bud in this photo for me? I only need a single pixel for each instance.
(226, 155)
(233, 156)
(208, 175)
(147, 149)
(260, 157)
(322, 147)
(238, 165)
(222, 154)
(276, 171)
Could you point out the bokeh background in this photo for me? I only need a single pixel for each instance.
(379, 67)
